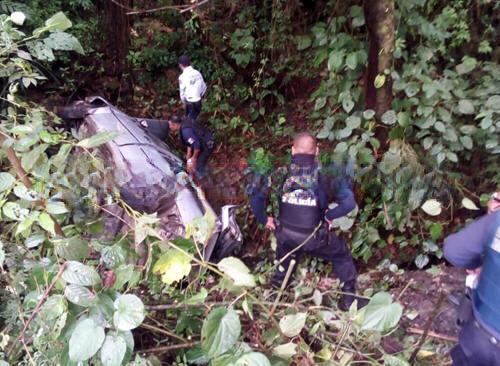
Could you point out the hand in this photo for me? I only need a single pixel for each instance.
(191, 166)
(475, 271)
(270, 224)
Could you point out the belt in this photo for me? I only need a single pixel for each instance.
(492, 339)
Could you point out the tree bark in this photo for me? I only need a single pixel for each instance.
(379, 16)
(116, 35)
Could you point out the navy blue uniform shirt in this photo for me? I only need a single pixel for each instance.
(190, 138)
(330, 189)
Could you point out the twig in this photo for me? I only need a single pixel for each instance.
(289, 271)
(162, 331)
(433, 334)
(426, 328)
(405, 288)
(14, 161)
(38, 306)
(173, 347)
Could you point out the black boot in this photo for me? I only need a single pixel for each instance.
(348, 298)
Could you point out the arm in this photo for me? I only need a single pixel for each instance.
(465, 248)
(346, 203)
(182, 90)
(259, 190)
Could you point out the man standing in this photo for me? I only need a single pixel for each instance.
(302, 226)
(477, 246)
(192, 87)
(199, 143)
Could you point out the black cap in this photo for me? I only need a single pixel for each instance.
(184, 60)
(175, 119)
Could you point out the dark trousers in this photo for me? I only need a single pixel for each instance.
(324, 244)
(202, 161)
(475, 347)
(193, 109)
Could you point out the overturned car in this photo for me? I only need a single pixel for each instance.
(150, 177)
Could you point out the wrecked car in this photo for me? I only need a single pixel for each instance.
(150, 177)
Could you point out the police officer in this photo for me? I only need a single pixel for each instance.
(198, 141)
(192, 87)
(302, 226)
(475, 247)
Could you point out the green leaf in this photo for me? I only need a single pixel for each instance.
(379, 81)
(404, 119)
(64, 42)
(58, 22)
(85, 341)
(237, 271)
(98, 139)
(113, 350)
(6, 181)
(353, 122)
(25, 225)
(467, 142)
(352, 61)
(73, 248)
(411, 89)
(304, 42)
(436, 231)
(468, 64)
(220, 332)
(469, 204)
(427, 143)
(493, 102)
(80, 274)
(451, 156)
(29, 160)
(389, 117)
(335, 60)
(199, 298)
(291, 325)
(129, 312)
(381, 313)
(432, 207)
(347, 104)
(251, 358)
(59, 161)
(368, 114)
(46, 222)
(40, 50)
(173, 266)
(320, 103)
(421, 261)
(79, 295)
(285, 351)
(439, 126)
(13, 211)
(390, 360)
(465, 106)
(56, 207)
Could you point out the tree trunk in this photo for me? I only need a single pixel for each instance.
(379, 16)
(116, 35)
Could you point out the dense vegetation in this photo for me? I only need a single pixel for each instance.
(408, 90)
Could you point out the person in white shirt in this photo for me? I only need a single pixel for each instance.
(192, 87)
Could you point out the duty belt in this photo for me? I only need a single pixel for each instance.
(491, 338)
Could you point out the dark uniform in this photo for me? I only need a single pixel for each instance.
(304, 193)
(478, 245)
(197, 137)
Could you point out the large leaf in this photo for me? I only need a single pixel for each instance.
(113, 350)
(79, 295)
(58, 22)
(80, 274)
(129, 312)
(285, 351)
(220, 332)
(85, 341)
(432, 207)
(253, 359)
(47, 223)
(173, 266)
(291, 325)
(236, 269)
(381, 313)
(56, 207)
(64, 42)
(73, 248)
(6, 181)
(98, 139)
(465, 106)
(389, 117)
(469, 204)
